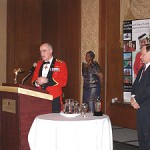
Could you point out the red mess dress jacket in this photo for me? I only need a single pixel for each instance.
(57, 76)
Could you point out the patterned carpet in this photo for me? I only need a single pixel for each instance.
(125, 136)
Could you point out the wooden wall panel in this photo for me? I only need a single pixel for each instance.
(110, 52)
(50, 14)
(122, 115)
(103, 48)
(24, 36)
(61, 27)
(114, 52)
(69, 45)
(110, 57)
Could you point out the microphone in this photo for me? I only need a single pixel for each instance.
(33, 68)
(30, 72)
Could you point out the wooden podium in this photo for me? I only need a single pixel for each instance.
(19, 105)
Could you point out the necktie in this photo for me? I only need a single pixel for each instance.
(143, 70)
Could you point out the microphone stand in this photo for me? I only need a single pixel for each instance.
(30, 72)
(26, 77)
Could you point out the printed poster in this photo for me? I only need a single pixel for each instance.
(135, 33)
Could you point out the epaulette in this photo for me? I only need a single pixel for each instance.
(59, 60)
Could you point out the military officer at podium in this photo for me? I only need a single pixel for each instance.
(51, 74)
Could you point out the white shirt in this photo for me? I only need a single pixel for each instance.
(46, 68)
(147, 65)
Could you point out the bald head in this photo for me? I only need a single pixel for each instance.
(46, 51)
(48, 45)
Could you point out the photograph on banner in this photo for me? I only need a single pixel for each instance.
(135, 34)
(127, 64)
(129, 46)
(128, 79)
(127, 72)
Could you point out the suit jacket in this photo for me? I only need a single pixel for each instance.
(57, 76)
(141, 90)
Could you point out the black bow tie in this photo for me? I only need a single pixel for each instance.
(47, 62)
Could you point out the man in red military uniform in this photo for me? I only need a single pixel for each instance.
(143, 39)
(51, 74)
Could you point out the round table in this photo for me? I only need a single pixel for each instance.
(56, 132)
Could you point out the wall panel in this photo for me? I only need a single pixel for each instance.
(61, 27)
(110, 53)
(23, 32)
(122, 115)
(49, 25)
(111, 59)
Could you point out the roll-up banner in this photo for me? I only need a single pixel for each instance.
(135, 34)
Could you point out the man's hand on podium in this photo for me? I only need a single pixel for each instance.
(41, 80)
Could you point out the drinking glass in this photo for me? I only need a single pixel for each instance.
(69, 106)
(84, 108)
(76, 107)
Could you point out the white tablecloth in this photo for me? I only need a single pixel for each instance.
(56, 132)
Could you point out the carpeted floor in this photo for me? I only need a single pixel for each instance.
(123, 146)
(127, 138)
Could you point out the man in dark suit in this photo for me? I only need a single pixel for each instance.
(140, 99)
